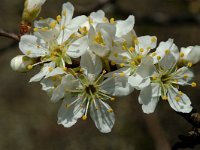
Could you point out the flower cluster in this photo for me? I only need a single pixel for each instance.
(87, 61)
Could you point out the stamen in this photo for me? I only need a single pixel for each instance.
(193, 84)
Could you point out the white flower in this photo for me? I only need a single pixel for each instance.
(165, 48)
(20, 63)
(165, 84)
(89, 92)
(100, 39)
(190, 55)
(133, 59)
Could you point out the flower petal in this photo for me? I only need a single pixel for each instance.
(91, 63)
(102, 117)
(68, 116)
(78, 48)
(117, 86)
(183, 103)
(32, 46)
(124, 27)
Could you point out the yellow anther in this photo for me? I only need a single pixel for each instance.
(53, 24)
(164, 97)
(65, 68)
(84, 117)
(121, 74)
(158, 57)
(185, 76)
(176, 81)
(67, 105)
(182, 54)
(154, 77)
(141, 50)
(29, 67)
(193, 84)
(35, 29)
(116, 54)
(83, 30)
(189, 64)
(44, 28)
(110, 110)
(104, 71)
(28, 52)
(153, 39)
(112, 20)
(38, 46)
(58, 18)
(177, 98)
(132, 62)
(63, 27)
(180, 93)
(122, 65)
(112, 98)
(154, 54)
(131, 49)
(136, 41)
(50, 69)
(167, 51)
(105, 20)
(113, 63)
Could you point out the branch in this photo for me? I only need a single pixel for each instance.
(192, 138)
(9, 35)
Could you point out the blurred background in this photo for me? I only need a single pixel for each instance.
(27, 117)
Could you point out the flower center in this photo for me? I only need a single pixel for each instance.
(90, 89)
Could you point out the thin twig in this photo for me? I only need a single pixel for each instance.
(9, 35)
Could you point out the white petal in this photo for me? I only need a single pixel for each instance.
(123, 27)
(78, 48)
(56, 71)
(69, 116)
(44, 71)
(146, 68)
(32, 46)
(98, 16)
(151, 106)
(168, 62)
(163, 46)
(103, 119)
(183, 105)
(67, 13)
(47, 35)
(181, 73)
(77, 22)
(191, 54)
(145, 44)
(138, 82)
(91, 63)
(117, 86)
(68, 83)
(34, 4)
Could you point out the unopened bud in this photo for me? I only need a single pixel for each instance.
(21, 63)
(32, 9)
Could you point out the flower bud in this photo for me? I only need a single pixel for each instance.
(32, 9)
(20, 63)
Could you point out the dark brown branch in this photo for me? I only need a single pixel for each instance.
(192, 138)
(9, 35)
